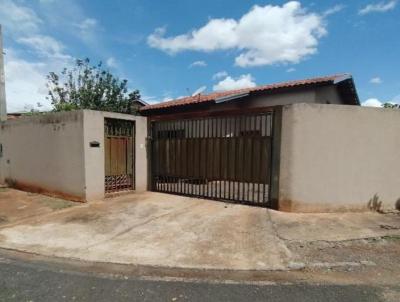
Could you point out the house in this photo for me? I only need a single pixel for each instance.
(303, 145)
(335, 89)
(220, 145)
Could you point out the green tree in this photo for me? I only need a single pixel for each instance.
(90, 87)
(391, 105)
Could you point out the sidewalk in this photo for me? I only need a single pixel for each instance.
(172, 231)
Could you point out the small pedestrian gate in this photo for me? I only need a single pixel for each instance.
(119, 143)
(223, 158)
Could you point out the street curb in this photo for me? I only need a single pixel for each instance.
(295, 273)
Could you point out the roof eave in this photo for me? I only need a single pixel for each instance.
(344, 83)
(347, 83)
(231, 97)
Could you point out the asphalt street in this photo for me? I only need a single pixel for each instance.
(24, 281)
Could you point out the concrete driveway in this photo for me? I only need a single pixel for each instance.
(156, 229)
(174, 231)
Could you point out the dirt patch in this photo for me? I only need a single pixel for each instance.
(380, 252)
(55, 203)
(334, 226)
(3, 219)
(16, 205)
(27, 187)
(82, 218)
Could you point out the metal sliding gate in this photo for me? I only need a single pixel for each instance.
(223, 158)
(119, 161)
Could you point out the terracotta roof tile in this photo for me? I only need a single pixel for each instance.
(200, 98)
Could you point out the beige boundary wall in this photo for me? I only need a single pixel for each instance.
(45, 153)
(94, 157)
(333, 157)
(51, 153)
(338, 158)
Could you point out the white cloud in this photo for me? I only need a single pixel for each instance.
(396, 99)
(26, 67)
(45, 46)
(87, 30)
(24, 27)
(155, 100)
(199, 90)
(372, 103)
(149, 99)
(265, 35)
(166, 99)
(220, 75)
(112, 62)
(71, 19)
(18, 19)
(229, 83)
(291, 69)
(87, 24)
(376, 80)
(198, 64)
(166, 96)
(380, 7)
(333, 10)
(25, 82)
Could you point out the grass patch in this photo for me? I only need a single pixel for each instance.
(3, 219)
(56, 203)
(3, 190)
(392, 237)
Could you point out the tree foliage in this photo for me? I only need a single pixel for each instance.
(90, 87)
(391, 105)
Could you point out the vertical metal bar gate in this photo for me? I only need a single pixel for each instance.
(224, 158)
(119, 141)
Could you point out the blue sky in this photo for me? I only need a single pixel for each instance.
(168, 49)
